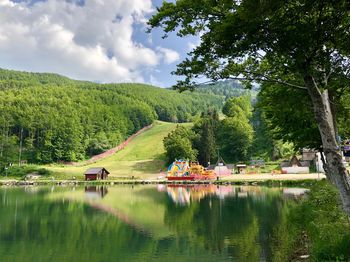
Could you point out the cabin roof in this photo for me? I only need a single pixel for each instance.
(95, 170)
(295, 161)
(230, 166)
(211, 167)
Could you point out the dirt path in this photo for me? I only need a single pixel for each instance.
(110, 151)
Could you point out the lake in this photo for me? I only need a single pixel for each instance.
(140, 223)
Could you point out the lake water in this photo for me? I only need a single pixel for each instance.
(140, 223)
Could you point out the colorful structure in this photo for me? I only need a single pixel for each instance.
(182, 170)
(222, 170)
(185, 194)
(179, 168)
(200, 173)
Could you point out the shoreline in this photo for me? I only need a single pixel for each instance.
(261, 179)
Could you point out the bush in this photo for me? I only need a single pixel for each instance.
(322, 220)
(21, 171)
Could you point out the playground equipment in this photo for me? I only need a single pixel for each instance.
(179, 168)
(182, 170)
(200, 173)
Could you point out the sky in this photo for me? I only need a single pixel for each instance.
(95, 40)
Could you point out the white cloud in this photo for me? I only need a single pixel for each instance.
(154, 81)
(193, 44)
(92, 41)
(169, 56)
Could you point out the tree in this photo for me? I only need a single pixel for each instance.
(302, 44)
(296, 124)
(178, 144)
(235, 134)
(238, 106)
(48, 118)
(287, 121)
(263, 144)
(206, 129)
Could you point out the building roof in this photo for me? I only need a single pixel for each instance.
(295, 161)
(230, 166)
(95, 170)
(211, 167)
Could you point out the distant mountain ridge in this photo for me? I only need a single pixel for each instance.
(227, 89)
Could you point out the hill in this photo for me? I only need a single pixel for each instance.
(47, 118)
(143, 157)
(227, 89)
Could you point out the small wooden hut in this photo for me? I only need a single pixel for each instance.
(96, 173)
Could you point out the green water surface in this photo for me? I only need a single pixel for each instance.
(139, 223)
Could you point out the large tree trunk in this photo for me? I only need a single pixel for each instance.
(334, 168)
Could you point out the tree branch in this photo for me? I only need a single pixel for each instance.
(258, 79)
(265, 79)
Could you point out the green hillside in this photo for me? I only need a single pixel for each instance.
(227, 89)
(142, 158)
(46, 118)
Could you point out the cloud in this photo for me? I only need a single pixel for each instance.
(191, 45)
(154, 81)
(169, 56)
(89, 39)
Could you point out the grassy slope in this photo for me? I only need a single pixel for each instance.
(140, 206)
(142, 158)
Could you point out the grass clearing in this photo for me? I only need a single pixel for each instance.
(142, 158)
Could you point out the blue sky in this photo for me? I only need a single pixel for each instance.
(96, 40)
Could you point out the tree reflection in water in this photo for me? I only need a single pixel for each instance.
(200, 222)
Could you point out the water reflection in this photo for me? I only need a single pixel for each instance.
(146, 222)
(95, 192)
(184, 195)
(295, 193)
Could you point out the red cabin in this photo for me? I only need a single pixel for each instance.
(96, 173)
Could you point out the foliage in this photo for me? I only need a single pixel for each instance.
(274, 41)
(178, 144)
(142, 158)
(303, 44)
(58, 119)
(235, 137)
(327, 227)
(206, 129)
(263, 144)
(288, 122)
(21, 171)
(232, 136)
(227, 89)
(235, 134)
(343, 117)
(296, 124)
(238, 107)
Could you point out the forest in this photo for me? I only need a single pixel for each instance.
(48, 118)
(227, 89)
(232, 136)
